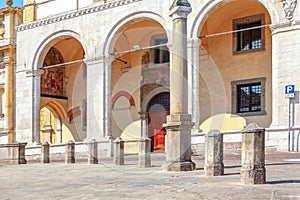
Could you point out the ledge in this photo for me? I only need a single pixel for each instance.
(73, 14)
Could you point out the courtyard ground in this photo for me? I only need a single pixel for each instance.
(106, 181)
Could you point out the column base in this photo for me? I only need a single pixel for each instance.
(22, 161)
(179, 166)
(214, 170)
(253, 176)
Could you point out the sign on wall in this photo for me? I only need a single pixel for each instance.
(289, 91)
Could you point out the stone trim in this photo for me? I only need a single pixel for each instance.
(74, 14)
(234, 85)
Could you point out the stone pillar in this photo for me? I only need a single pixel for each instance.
(93, 152)
(144, 124)
(119, 151)
(45, 153)
(179, 123)
(9, 93)
(253, 155)
(11, 17)
(144, 152)
(70, 152)
(193, 73)
(110, 150)
(107, 98)
(21, 153)
(36, 94)
(214, 154)
(58, 130)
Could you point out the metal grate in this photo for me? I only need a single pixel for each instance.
(249, 98)
(249, 39)
(161, 54)
(160, 102)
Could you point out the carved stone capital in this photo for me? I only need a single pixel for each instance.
(289, 7)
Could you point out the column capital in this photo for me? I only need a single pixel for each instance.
(180, 12)
(144, 115)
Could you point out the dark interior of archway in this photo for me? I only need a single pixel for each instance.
(158, 109)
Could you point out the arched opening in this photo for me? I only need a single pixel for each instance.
(235, 68)
(137, 68)
(63, 89)
(158, 109)
(52, 126)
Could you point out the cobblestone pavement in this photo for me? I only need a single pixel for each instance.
(106, 181)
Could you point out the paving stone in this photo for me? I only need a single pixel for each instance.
(107, 181)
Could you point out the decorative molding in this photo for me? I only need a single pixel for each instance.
(289, 7)
(74, 14)
(73, 113)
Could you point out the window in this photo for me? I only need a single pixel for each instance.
(160, 54)
(248, 96)
(248, 40)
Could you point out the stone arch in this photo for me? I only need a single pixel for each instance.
(49, 41)
(201, 16)
(150, 96)
(122, 94)
(110, 41)
(56, 108)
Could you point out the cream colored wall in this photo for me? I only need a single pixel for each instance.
(219, 67)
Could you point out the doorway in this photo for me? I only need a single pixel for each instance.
(158, 109)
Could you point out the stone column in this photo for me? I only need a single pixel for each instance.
(21, 153)
(93, 152)
(193, 73)
(70, 152)
(144, 124)
(214, 154)
(107, 98)
(253, 155)
(110, 150)
(95, 94)
(144, 152)
(36, 95)
(9, 93)
(58, 130)
(45, 153)
(119, 151)
(179, 123)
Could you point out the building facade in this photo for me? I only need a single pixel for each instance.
(10, 17)
(100, 69)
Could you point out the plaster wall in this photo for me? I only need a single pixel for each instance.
(219, 67)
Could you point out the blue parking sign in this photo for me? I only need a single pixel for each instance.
(289, 91)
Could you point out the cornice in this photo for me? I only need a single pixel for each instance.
(73, 14)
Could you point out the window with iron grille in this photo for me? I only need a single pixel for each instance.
(160, 54)
(248, 39)
(248, 97)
